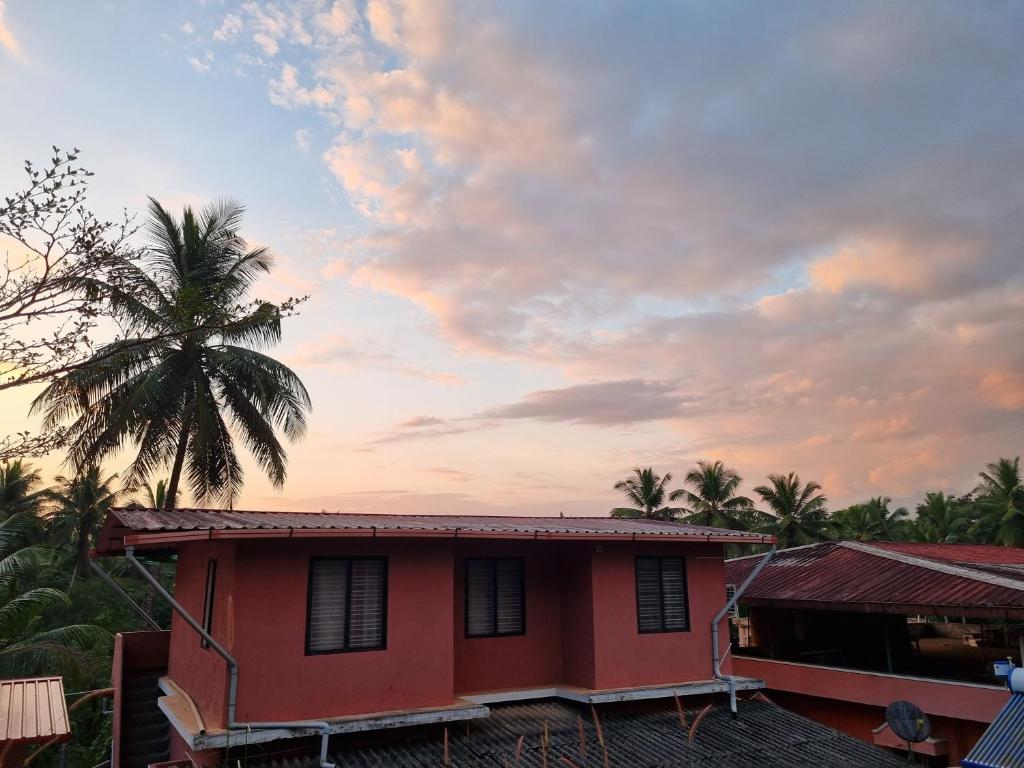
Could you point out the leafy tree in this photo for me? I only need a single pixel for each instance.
(798, 511)
(1000, 496)
(646, 490)
(59, 256)
(18, 488)
(79, 505)
(711, 498)
(942, 519)
(872, 521)
(29, 646)
(187, 359)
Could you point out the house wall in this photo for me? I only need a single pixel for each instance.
(278, 681)
(201, 671)
(623, 657)
(577, 596)
(854, 701)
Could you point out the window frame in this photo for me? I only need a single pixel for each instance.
(661, 593)
(494, 581)
(209, 593)
(348, 559)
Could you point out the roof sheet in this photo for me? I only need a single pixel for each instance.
(1002, 744)
(873, 576)
(138, 521)
(764, 736)
(33, 709)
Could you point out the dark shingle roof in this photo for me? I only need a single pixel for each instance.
(764, 736)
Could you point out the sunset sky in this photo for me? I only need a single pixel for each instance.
(548, 241)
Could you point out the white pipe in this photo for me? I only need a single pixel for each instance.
(716, 662)
(295, 725)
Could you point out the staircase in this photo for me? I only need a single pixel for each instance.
(145, 732)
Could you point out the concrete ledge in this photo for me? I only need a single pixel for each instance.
(610, 695)
(181, 713)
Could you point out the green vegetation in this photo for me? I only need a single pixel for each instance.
(795, 512)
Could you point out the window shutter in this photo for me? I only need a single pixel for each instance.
(480, 608)
(327, 605)
(648, 594)
(366, 613)
(673, 591)
(510, 597)
(211, 589)
(730, 590)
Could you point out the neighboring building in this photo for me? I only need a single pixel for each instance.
(382, 621)
(32, 712)
(838, 630)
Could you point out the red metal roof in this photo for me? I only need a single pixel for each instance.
(151, 527)
(896, 577)
(33, 709)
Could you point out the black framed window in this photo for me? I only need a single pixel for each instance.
(211, 588)
(661, 600)
(347, 604)
(495, 597)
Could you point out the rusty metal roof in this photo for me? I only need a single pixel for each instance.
(33, 709)
(151, 526)
(904, 577)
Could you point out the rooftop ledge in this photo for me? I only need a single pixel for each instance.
(185, 718)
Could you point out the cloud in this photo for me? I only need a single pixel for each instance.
(303, 139)
(340, 350)
(789, 239)
(188, 28)
(7, 39)
(603, 404)
(230, 27)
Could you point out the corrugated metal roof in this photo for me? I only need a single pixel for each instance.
(140, 521)
(872, 576)
(764, 736)
(972, 554)
(33, 709)
(1002, 744)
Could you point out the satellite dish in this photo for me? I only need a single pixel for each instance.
(908, 721)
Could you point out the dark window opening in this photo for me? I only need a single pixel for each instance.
(495, 597)
(661, 600)
(211, 586)
(347, 604)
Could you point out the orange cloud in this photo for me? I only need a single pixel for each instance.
(1004, 388)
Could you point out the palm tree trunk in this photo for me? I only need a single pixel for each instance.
(179, 461)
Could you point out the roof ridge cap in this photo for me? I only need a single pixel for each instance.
(942, 567)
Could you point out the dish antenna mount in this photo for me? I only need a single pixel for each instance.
(909, 723)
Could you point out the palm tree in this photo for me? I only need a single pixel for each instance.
(1000, 496)
(188, 359)
(646, 491)
(942, 519)
(798, 511)
(26, 647)
(18, 483)
(872, 521)
(79, 507)
(713, 500)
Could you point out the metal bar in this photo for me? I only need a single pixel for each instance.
(124, 595)
(716, 662)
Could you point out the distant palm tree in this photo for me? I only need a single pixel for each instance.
(25, 648)
(187, 362)
(1000, 496)
(713, 499)
(798, 511)
(872, 521)
(18, 488)
(646, 491)
(942, 519)
(78, 507)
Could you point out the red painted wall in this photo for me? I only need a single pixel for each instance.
(623, 657)
(133, 651)
(580, 622)
(277, 681)
(520, 661)
(201, 671)
(959, 712)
